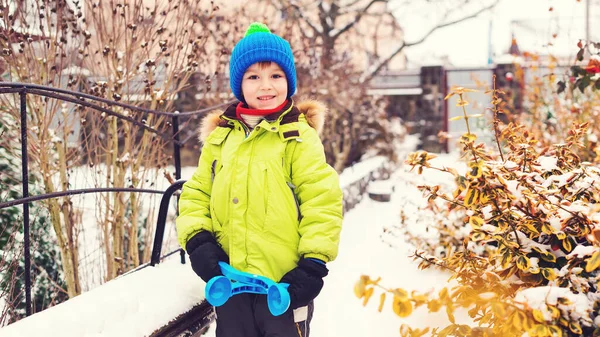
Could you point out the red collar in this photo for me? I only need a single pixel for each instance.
(242, 108)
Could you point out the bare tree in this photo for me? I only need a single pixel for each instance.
(141, 52)
(336, 22)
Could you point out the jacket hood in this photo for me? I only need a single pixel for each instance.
(313, 110)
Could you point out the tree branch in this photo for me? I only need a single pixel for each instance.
(375, 68)
(308, 22)
(443, 25)
(335, 34)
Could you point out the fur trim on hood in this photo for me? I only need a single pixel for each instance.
(313, 110)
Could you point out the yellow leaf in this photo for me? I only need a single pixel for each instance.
(476, 169)
(402, 308)
(434, 305)
(359, 286)
(562, 321)
(575, 328)
(450, 315)
(567, 245)
(538, 316)
(476, 222)
(475, 115)
(527, 323)
(483, 198)
(555, 331)
(457, 118)
(461, 182)
(518, 320)
(506, 260)
(546, 228)
(461, 102)
(548, 257)
(472, 197)
(368, 294)
(498, 309)
(468, 138)
(549, 274)
(541, 330)
(478, 235)
(444, 294)
(381, 302)
(523, 263)
(401, 293)
(418, 298)
(593, 263)
(554, 311)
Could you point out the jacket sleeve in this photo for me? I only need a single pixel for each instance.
(320, 197)
(194, 202)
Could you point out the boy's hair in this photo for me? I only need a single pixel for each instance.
(260, 45)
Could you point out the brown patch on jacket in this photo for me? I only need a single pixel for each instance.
(313, 110)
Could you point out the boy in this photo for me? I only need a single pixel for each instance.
(263, 198)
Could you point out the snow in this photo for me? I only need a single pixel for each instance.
(360, 170)
(538, 298)
(380, 187)
(134, 305)
(548, 163)
(582, 251)
(372, 243)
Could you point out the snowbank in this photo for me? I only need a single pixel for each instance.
(133, 305)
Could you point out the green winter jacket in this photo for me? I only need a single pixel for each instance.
(268, 195)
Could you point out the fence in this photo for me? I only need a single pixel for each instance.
(94, 103)
(417, 97)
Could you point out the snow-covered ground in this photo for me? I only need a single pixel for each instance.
(365, 249)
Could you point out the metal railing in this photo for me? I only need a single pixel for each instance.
(92, 102)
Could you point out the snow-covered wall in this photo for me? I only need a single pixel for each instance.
(355, 179)
(133, 305)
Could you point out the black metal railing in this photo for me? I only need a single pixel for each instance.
(161, 222)
(92, 102)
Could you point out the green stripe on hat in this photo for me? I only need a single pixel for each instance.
(256, 27)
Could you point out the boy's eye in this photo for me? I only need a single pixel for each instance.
(252, 77)
(277, 76)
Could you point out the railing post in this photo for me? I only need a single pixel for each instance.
(162, 219)
(25, 177)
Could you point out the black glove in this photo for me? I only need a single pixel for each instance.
(205, 254)
(306, 282)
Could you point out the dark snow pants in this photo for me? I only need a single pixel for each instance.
(247, 315)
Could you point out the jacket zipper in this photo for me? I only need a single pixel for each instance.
(293, 190)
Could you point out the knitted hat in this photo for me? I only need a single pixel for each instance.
(259, 45)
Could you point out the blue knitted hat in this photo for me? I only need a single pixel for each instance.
(259, 45)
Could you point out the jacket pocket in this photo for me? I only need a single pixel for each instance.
(213, 170)
(293, 190)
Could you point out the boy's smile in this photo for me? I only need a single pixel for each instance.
(264, 86)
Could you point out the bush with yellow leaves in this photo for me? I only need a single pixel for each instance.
(528, 265)
(553, 102)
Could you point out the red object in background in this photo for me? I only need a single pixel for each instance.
(593, 66)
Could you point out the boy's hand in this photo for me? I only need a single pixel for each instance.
(306, 281)
(205, 254)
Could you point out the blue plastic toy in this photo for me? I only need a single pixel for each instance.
(220, 288)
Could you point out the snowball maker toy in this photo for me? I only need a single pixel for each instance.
(220, 288)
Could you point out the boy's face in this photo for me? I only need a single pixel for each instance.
(264, 86)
